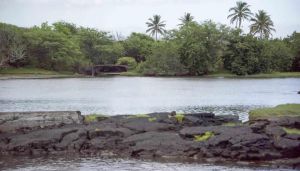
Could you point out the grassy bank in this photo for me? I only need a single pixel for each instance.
(14, 73)
(261, 75)
(33, 71)
(230, 75)
(292, 110)
(7, 73)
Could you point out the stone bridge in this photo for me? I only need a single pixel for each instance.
(102, 69)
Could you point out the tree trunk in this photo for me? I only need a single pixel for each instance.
(93, 72)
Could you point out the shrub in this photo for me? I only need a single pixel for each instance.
(128, 61)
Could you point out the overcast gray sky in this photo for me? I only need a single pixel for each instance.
(126, 16)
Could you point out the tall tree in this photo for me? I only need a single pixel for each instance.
(262, 24)
(155, 26)
(240, 12)
(186, 19)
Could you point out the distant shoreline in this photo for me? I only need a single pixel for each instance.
(37, 73)
(127, 74)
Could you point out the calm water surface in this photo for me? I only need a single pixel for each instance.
(127, 95)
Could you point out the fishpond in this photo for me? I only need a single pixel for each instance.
(138, 95)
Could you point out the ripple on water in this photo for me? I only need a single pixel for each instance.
(83, 163)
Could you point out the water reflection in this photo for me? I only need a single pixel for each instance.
(126, 95)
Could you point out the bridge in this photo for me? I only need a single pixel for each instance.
(104, 69)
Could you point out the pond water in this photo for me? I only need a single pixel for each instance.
(133, 95)
(93, 163)
(136, 95)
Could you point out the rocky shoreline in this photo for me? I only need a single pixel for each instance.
(193, 137)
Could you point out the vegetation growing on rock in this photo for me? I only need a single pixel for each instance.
(152, 119)
(231, 124)
(207, 135)
(94, 118)
(292, 110)
(291, 130)
(138, 116)
(179, 117)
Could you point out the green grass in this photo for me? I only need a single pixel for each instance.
(34, 71)
(227, 74)
(94, 118)
(152, 119)
(275, 75)
(278, 111)
(179, 117)
(291, 130)
(223, 73)
(138, 116)
(131, 73)
(230, 124)
(207, 135)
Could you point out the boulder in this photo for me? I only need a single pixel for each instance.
(27, 121)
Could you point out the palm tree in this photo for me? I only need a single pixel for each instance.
(240, 12)
(186, 19)
(262, 24)
(155, 26)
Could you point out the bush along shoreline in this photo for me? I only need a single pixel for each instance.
(192, 49)
(36, 73)
(269, 140)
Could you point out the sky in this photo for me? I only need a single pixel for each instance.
(126, 16)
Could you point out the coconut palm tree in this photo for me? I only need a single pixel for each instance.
(240, 12)
(186, 19)
(155, 26)
(262, 25)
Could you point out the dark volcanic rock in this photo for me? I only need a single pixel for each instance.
(27, 121)
(289, 147)
(153, 136)
(232, 142)
(156, 144)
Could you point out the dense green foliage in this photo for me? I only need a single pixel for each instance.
(164, 60)
(128, 61)
(193, 48)
(138, 45)
(200, 47)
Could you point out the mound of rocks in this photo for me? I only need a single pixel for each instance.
(197, 137)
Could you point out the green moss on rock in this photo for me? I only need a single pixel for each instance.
(292, 110)
(152, 119)
(94, 118)
(138, 116)
(179, 117)
(230, 124)
(291, 130)
(204, 137)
